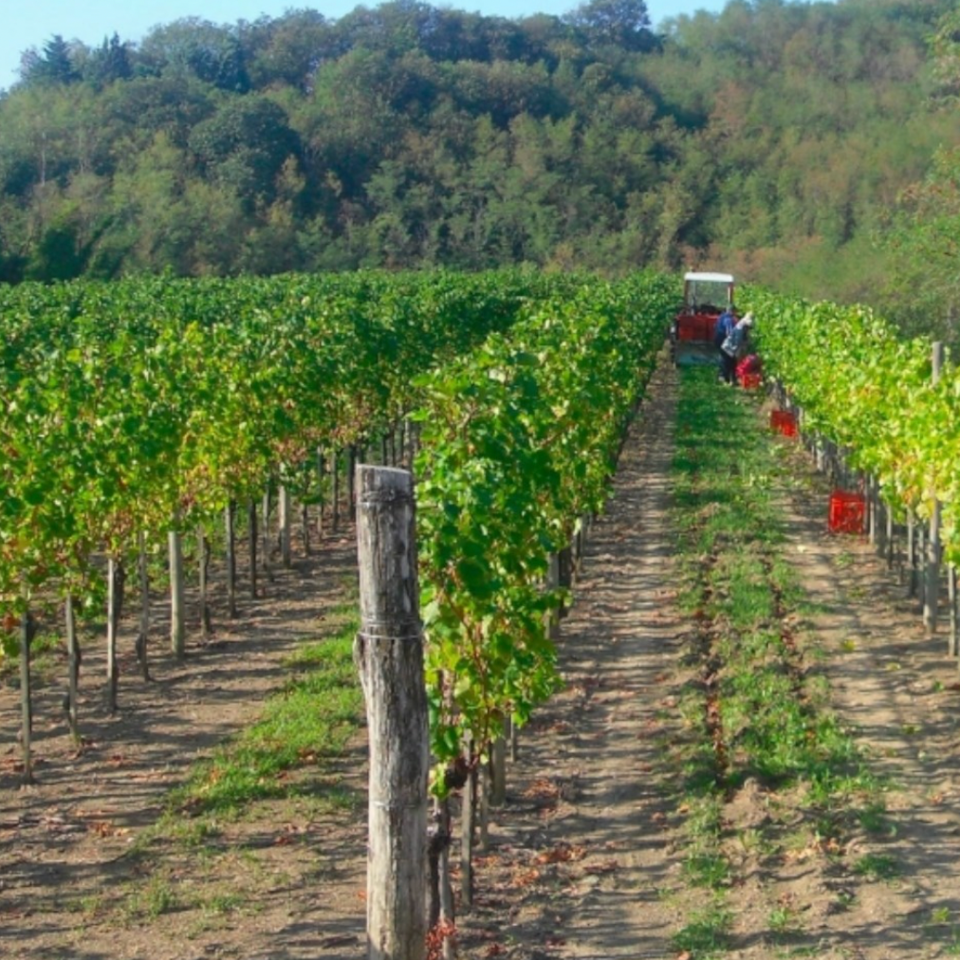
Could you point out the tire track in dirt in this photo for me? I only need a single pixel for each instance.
(898, 690)
(581, 849)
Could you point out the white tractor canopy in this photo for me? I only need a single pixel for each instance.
(711, 290)
(709, 277)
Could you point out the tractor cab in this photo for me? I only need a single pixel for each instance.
(705, 297)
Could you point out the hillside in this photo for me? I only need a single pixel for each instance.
(775, 138)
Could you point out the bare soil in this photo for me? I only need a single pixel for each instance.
(584, 859)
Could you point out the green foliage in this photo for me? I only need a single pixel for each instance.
(517, 445)
(869, 390)
(149, 405)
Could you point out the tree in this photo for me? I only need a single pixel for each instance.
(109, 62)
(212, 54)
(622, 22)
(53, 66)
(244, 146)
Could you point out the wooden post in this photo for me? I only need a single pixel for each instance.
(229, 518)
(73, 668)
(389, 657)
(889, 541)
(498, 768)
(252, 545)
(467, 809)
(911, 554)
(553, 583)
(143, 635)
(115, 581)
(921, 563)
(931, 594)
(178, 601)
(352, 482)
(335, 474)
(952, 594)
(203, 564)
(267, 506)
(27, 630)
(483, 783)
(321, 499)
(285, 510)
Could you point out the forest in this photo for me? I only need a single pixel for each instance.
(811, 147)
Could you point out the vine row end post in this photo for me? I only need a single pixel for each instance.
(389, 656)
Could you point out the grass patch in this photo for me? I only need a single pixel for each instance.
(706, 934)
(312, 718)
(756, 709)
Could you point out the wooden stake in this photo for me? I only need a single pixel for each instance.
(286, 528)
(178, 604)
(952, 597)
(335, 474)
(73, 670)
(203, 564)
(389, 657)
(115, 581)
(27, 630)
(467, 809)
(498, 771)
(230, 526)
(252, 546)
(143, 635)
(931, 601)
(911, 554)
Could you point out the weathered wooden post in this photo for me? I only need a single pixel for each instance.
(178, 602)
(389, 657)
(931, 594)
(229, 518)
(27, 631)
(285, 522)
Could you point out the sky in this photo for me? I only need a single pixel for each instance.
(30, 23)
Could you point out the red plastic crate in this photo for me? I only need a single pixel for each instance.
(784, 421)
(750, 381)
(695, 328)
(847, 512)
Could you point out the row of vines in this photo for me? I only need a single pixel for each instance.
(887, 409)
(872, 392)
(137, 411)
(519, 442)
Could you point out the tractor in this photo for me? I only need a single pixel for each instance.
(705, 297)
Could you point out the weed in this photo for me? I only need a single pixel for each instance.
(150, 900)
(873, 818)
(877, 866)
(783, 919)
(223, 903)
(706, 933)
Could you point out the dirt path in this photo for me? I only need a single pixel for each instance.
(899, 691)
(67, 886)
(585, 857)
(581, 855)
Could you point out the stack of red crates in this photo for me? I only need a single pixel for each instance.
(783, 421)
(847, 512)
